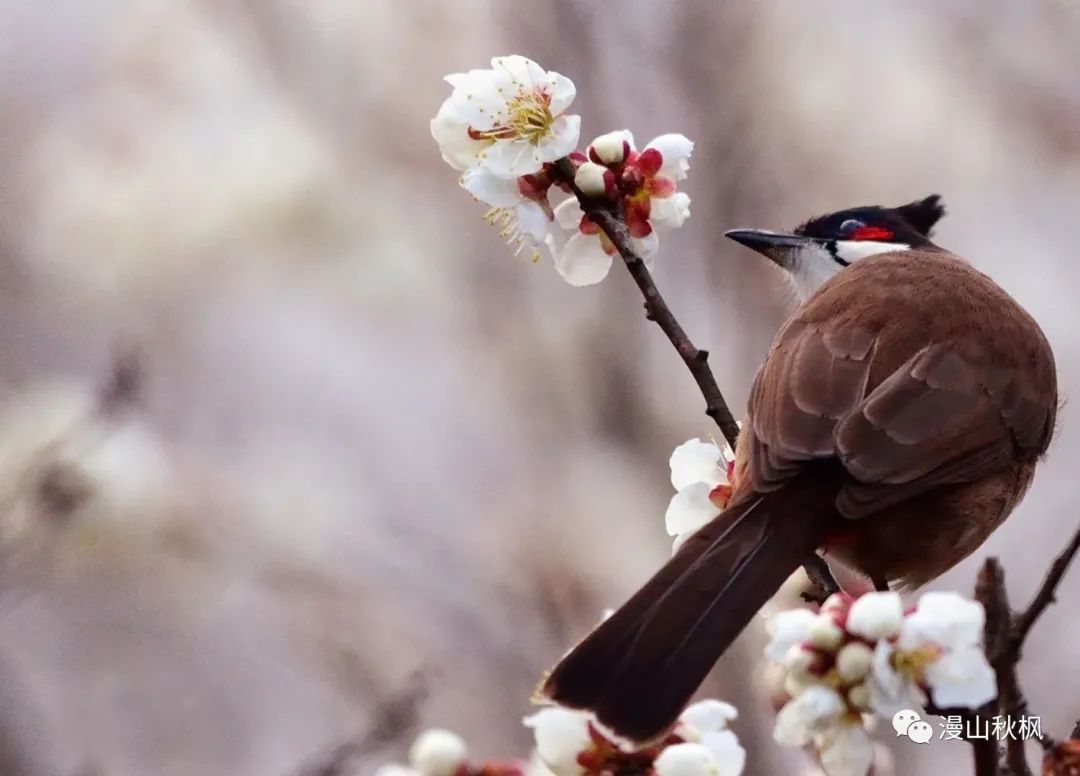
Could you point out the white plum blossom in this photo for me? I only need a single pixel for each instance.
(509, 119)
(585, 258)
(569, 743)
(940, 648)
(699, 474)
(438, 752)
(861, 657)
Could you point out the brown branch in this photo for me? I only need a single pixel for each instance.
(602, 213)
(822, 582)
(1045, 596)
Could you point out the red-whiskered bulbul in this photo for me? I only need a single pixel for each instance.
(894, 424)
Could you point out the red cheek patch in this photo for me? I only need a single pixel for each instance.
(871, 233)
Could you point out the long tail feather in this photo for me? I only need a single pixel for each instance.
(638, 669)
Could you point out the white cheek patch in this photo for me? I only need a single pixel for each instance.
(853, 250)
(812, 266)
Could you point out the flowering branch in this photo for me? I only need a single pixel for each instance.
(604, 214)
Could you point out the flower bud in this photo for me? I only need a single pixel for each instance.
(590, 179)
(610, 148)
(859, 696)
(825, 634)
(794, 685)
(802, 661)
(438, 752)
(853, 661)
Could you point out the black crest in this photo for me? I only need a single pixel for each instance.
(910, 223)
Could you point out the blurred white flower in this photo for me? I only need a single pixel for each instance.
(698, 760)
(705, 723)
(699, 474)
(786, 630)
(811, 712)
(845, 750)
(876, 616)
(940, 648)
(561, 735)
(509, 119)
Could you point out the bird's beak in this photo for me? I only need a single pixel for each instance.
(777, 246)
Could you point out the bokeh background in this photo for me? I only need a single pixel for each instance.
(378, 473)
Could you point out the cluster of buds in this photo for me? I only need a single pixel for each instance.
(506, 127)
(569, 743)
(858, 658)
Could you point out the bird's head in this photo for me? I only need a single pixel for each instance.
(821, 247)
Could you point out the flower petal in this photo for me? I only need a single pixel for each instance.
(511, 158)
(675, 150)
(962, 678)
(646, 247)
(560, 140)
(582, 261)
(562, 92)
(671, 212)
(730, 756)
(490, 188)
(568, 213)
(696, 461)
(810, 712)
(889, 691)
(876, 616)
(686, 760)
(561, 735)
(786, 629)
(846, 750)
(533, 220)
(458, 149)
(943, 618)
(690, 509)
(708, 715)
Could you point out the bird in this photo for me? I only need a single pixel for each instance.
(895, 422)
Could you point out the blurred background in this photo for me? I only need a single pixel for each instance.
(377, 473)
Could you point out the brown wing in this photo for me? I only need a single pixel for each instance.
(907, 401)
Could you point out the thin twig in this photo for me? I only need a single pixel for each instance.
(601, 212)
(1026, 619)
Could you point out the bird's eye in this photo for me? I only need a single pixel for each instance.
(850, 225)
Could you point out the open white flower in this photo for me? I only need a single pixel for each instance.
(509, 119)
(788, 629)
(699, 474)
(949, 628)
(585, 258)
(940, 649)
(561, 735)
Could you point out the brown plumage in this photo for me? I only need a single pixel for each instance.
(896, 422)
